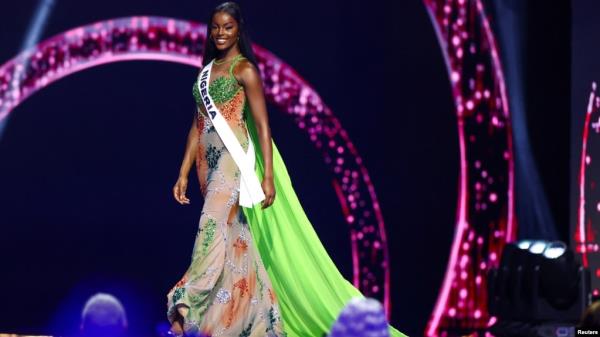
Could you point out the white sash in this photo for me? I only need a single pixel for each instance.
(251, 192)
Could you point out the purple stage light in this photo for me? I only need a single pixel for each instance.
(102, 315)
(361, 317)
(181, 41)
(485, 214)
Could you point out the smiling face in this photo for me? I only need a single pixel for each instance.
(224, 31)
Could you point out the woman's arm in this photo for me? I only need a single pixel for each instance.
(188, 160)
(249, 77)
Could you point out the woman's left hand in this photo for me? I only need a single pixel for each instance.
(269, 189)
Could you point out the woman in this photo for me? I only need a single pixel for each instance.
(256, 270)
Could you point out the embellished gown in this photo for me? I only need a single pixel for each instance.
(226, 287)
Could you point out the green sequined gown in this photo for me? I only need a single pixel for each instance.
(226, 287)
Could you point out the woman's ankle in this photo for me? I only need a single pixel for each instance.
(183, 311)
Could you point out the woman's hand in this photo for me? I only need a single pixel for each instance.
(269, 189)
(191, 149)
(179, 191)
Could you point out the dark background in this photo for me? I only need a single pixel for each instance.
(87, 164)
(547, 88)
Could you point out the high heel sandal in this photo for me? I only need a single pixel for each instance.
(171, 333)
(180, 321)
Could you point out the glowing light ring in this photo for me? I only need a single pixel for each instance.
(485, 213)
(585, 238)
(166, 39)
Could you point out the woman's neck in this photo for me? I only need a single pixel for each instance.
(229, 53)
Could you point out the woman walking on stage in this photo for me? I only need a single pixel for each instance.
(258, 267)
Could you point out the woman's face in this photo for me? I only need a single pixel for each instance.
(224, 31)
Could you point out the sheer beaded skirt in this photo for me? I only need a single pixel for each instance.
(226, 287)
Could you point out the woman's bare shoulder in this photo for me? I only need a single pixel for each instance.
(246, 72)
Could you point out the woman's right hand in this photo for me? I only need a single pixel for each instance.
(179, 191)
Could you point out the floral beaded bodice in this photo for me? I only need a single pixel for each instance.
(226, 92)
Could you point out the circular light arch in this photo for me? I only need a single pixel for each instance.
(485, 219)
(181, 41)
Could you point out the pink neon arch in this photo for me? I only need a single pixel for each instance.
(585, 237)
(180, 41)
(485, 219)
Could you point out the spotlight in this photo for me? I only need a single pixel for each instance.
(524, 244)
(537, 247)
(498, 281)
(103, 315)
(559, 276)
(555, 250)
(538, 284)
(361, 317)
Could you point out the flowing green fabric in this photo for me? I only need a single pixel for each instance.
(310, 289)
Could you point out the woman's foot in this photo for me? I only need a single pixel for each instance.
(176, 328)
(183, 311)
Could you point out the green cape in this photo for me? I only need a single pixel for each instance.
(310, 289)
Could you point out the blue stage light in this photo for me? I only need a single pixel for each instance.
(555, 250)
(32, 36)
(524, 244)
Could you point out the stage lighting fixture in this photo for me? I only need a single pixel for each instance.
(360, 317)
(504, 283)
(555, 250)
(524, 244)
(559, 276)
(537, 284)
(103, 315)
(538, 246)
